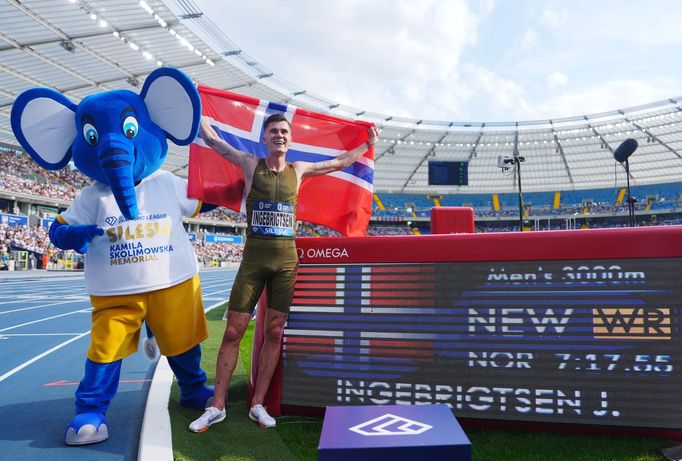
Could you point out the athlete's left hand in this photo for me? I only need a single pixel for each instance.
(372, 135)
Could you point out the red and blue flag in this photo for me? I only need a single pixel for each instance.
(341, 200)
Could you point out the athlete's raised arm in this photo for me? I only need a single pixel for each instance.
(245, 160)
(305, 169)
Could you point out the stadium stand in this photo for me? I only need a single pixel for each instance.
(539, 204)
(410, 212)
(393, 213)
(20, 174)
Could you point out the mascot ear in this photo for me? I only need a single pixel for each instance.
(44, 123)
(173, 103)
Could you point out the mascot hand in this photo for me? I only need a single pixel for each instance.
(74, 237)
(81, 236)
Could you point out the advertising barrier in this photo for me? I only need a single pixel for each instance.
(13, 219)
(558, 326)
(217, 238)
(46, 222)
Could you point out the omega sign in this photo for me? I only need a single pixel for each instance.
(322, 253)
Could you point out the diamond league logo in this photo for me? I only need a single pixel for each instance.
(111, 220)
(389, 424)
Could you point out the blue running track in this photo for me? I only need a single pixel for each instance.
(44, 336)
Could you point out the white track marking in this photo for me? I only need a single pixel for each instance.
(41, 306)
(38, 357)
(45, 319)
(213, 306)
(13, 335)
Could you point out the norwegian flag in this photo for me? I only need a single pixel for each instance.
(341, 200)
(358, 314)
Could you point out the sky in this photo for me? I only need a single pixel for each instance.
(466, 61)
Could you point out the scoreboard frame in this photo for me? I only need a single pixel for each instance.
(532, 259)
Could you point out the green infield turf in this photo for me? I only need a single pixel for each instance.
(295, 438)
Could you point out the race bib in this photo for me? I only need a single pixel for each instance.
(274, 219)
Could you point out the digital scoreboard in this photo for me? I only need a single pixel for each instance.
(566, 340)
(445, 173)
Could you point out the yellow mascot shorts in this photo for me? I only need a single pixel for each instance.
(175, 316)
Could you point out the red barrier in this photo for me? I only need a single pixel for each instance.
(641, 242)
(452, 220)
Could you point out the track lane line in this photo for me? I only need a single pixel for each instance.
(42, 306)
(46, 318)
(40, 356)
(16, 335)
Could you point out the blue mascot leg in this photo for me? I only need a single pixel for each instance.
(191, 379)
(94, 393)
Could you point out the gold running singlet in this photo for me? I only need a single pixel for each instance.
(270, 249)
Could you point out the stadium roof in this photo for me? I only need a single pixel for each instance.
(82, 47)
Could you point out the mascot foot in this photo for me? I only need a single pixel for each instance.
(199, 399)
(151, 349)
(87, 428)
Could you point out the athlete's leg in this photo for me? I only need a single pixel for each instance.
(229, 354)
(269, 355)
(225, 365)
(246, 290)
(280, 294)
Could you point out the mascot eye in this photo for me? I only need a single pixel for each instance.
(90, 134)
(130, 127)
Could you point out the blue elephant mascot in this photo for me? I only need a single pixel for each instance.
(140, 265)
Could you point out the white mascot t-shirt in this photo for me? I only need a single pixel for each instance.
(148, 253)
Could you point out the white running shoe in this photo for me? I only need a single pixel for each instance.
(211, 416)
(261, 416)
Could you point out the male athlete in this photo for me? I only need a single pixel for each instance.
(270, 257)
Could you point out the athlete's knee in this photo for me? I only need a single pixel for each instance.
(273, 332)
(233, 334)
(236, 326)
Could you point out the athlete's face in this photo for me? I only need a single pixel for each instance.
(277, 137)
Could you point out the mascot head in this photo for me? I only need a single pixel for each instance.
(117, 137)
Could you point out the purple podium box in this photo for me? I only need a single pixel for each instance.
(392, 432)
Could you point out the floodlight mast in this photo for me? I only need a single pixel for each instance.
(516, 160)
(622, 154)
(631, 200)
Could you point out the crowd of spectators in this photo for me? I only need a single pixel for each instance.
(35, 240)
(306, 229)
(29, 238)
(389, 230)
(21, 174)
(223, 214)
(213, 253)
(323, 231)
(485, 227)
(538, 210)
